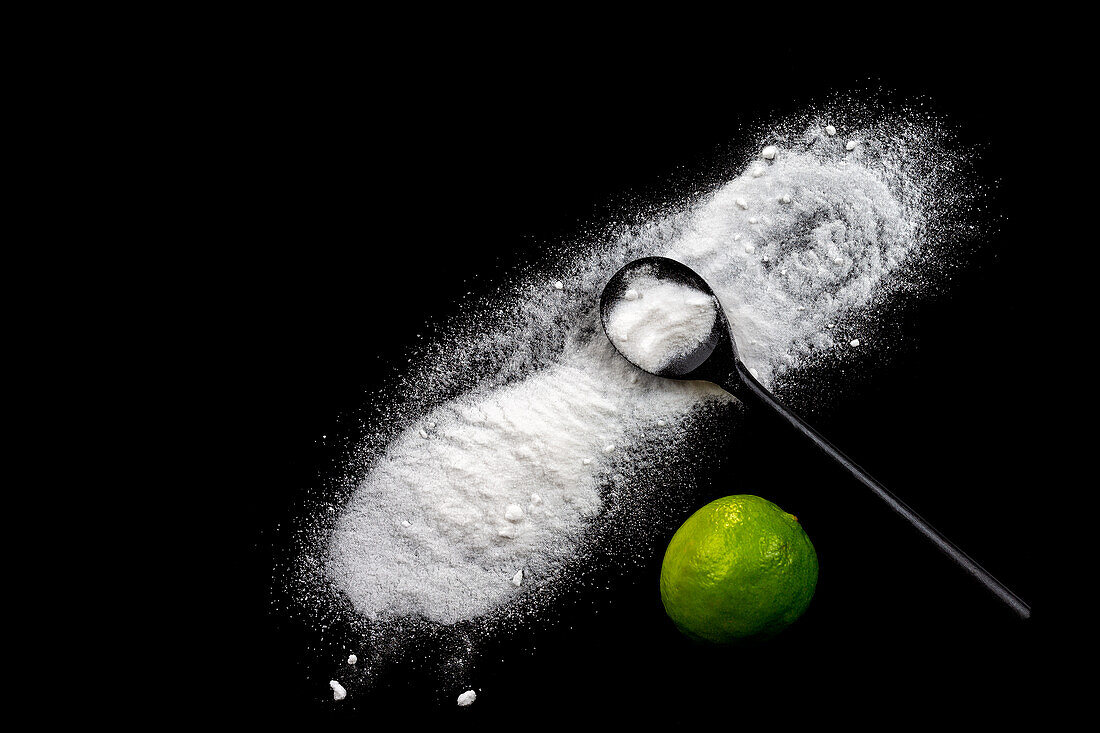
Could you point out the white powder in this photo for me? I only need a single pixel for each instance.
(663, 321)
(470, 489)
(338, 691)
(505, 486)
(467, 698)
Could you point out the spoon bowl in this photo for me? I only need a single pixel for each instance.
(715, 359)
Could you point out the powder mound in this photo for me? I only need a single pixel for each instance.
(659, 320)
(440, 526)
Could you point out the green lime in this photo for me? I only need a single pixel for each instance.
(740, 568)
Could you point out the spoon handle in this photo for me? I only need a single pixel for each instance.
(945, 545)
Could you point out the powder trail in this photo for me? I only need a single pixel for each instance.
(486, 497)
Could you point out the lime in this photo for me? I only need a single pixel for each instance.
(740, 568)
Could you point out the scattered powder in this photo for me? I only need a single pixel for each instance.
(666, 320)
(519, 464)
(467, 698)
(550, 431)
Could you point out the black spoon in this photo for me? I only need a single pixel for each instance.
(715, 360)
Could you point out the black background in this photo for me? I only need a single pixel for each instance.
(422, 171)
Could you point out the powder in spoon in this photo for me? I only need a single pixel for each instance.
(662, 321)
